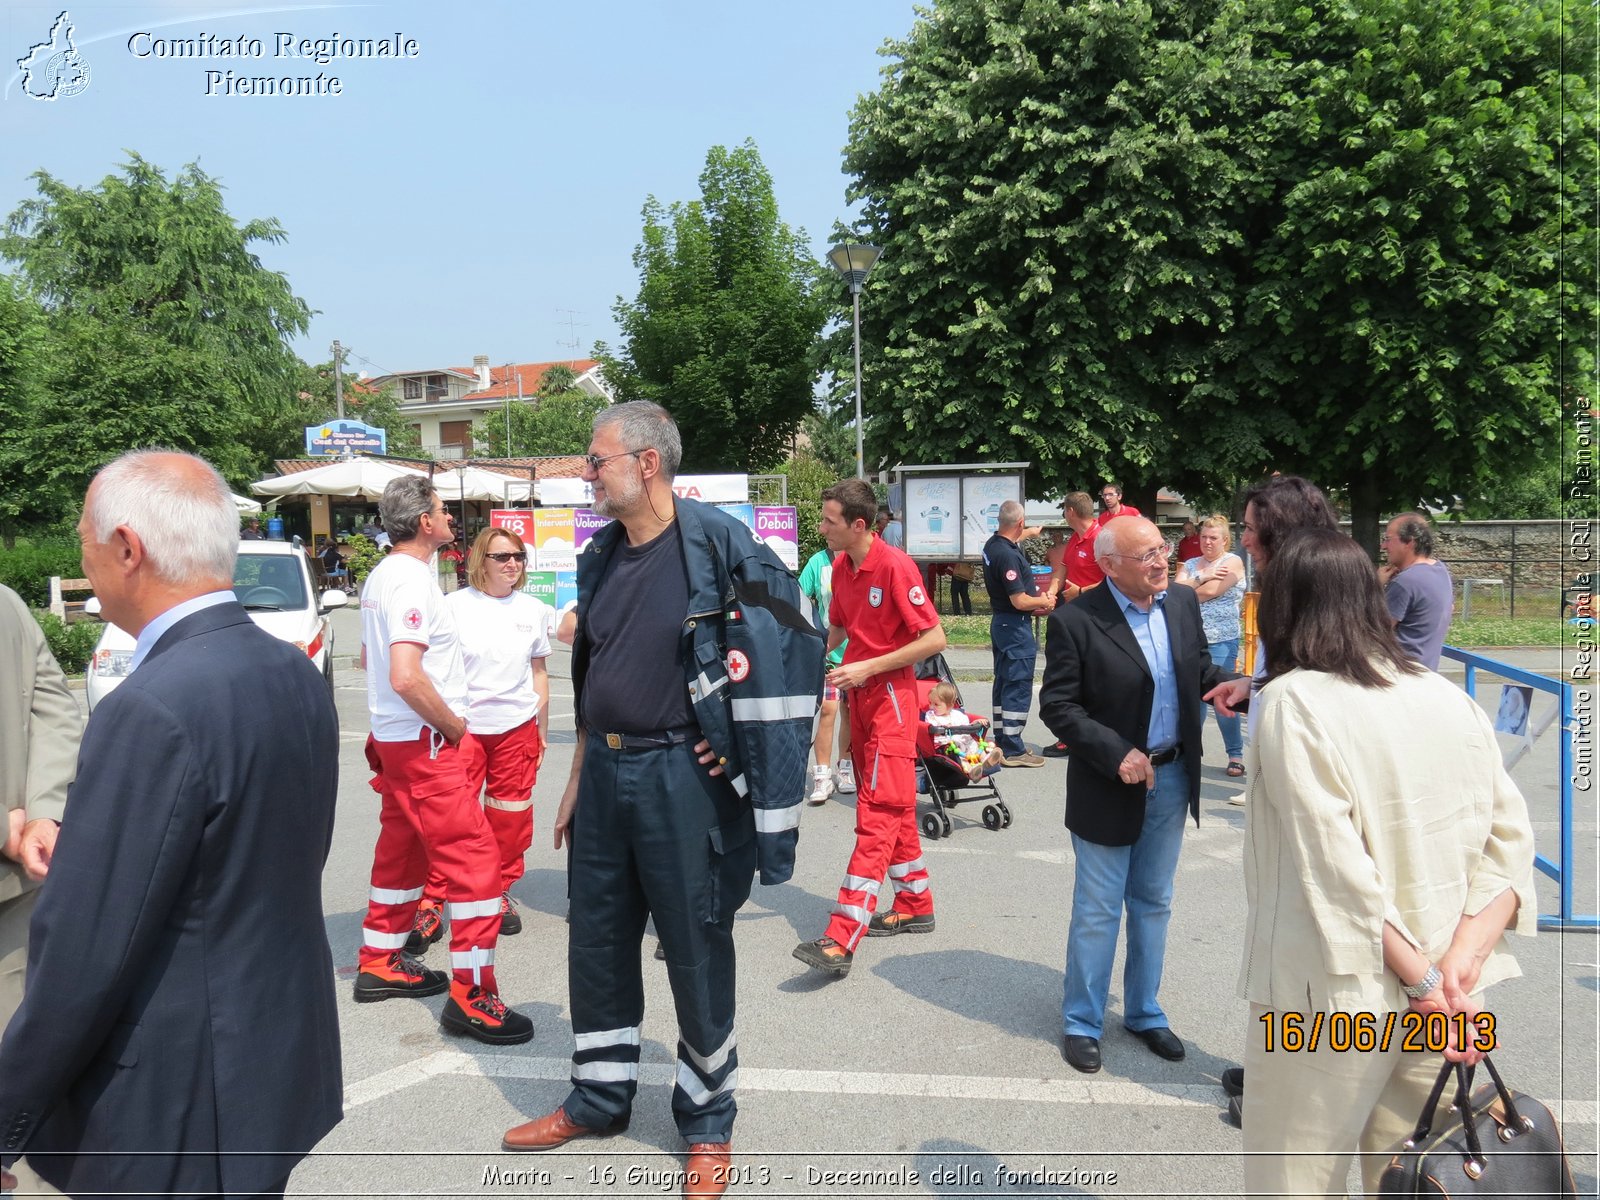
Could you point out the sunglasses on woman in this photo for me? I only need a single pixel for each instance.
(501, 556)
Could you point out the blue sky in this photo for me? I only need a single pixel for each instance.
(483, 197)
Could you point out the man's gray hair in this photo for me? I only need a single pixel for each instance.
(1105, 542)
(1011, 513)
(642, 425)
(1415, 531)
(188, 521)
(404, 502)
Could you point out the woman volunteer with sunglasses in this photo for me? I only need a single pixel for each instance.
(505, 638)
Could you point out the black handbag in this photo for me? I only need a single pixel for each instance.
(1497, 1143)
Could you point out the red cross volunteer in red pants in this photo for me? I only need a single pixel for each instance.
(420, 753)
(880, 604)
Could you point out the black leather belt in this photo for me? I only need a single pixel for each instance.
(648, 741)
(1162, 757)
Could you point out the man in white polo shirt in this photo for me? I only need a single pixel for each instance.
(418, 750)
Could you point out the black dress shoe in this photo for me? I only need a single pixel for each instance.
(1161, 1041)
(1233, 1081)
(1081, 1053)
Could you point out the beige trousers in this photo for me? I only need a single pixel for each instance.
(1322, 1108)
(14, 916)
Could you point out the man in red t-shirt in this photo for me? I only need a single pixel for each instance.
(1078, 571)
(1111, 505)
(881, 605)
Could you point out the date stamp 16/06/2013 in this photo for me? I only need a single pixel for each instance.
(1363, 1033)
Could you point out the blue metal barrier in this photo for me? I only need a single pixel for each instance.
(1560, 870)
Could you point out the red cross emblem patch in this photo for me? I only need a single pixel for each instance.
(412, 619)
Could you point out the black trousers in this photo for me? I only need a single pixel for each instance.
(655, 836)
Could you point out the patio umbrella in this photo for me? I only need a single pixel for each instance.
(244, 504)
(476, 483)
(347, 477)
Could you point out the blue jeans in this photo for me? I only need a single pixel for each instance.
(1140, 877)
(1225, 655)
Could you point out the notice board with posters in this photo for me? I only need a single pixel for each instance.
(950, 512)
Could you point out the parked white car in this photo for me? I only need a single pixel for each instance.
(273, 582)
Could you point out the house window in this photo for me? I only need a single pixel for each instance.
(412, 389)
(436, 386)
(455, 433)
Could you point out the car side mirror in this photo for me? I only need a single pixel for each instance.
(332, 600)
(91, 606)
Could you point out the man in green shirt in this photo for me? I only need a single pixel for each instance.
(816, 581)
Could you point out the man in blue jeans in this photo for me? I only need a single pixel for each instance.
(1125, 667)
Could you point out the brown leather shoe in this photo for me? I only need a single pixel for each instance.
(552, 1130)
(705, 1175)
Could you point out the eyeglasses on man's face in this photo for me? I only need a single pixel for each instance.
(595, 461)
(1149, 558)
(505, 556)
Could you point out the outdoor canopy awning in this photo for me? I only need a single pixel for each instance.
(347, 477)
(475, 483)
(244, 504)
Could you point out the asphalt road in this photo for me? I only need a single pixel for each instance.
(933, 1069)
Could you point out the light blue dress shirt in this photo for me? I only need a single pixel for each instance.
(151, 633)
(1150, 631)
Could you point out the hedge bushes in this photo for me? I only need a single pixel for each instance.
(26, 570)
(72, 645)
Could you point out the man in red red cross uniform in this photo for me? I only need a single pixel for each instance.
(880, 604)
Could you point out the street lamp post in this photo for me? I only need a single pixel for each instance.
(853, 260)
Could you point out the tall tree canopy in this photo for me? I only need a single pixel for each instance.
(723, 328)
(1188, 240)
(162, 325)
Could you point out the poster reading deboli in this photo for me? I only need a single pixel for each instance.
(779, 528)
(932, 516)
(554, 539)
(981, 498)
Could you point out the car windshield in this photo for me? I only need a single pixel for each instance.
(269, 581)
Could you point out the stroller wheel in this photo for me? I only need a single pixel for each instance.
(944, 825)
(931, 827)
(1005, 814)
(992, 818)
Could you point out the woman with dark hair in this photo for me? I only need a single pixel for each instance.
(1388, 853)
(1273, 509)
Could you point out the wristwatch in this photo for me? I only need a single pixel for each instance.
(1428, 982)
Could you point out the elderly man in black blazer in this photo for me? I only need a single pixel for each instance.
(178, 1034)
(1125, 669)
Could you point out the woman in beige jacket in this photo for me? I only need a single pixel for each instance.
(1387, 853)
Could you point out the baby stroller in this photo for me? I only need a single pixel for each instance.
(941, 779)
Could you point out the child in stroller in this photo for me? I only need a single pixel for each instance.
(947, 781)
(960, 738)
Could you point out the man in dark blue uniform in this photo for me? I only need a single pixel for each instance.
(1013, 599)
(696, 675)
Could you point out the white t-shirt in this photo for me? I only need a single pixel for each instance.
(964, 743)
(499, 638)
(401, 602)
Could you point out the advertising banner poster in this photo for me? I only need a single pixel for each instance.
(553, 539)
(932, 516)
(713, 489)
(340, 437)
(566, 590)
(744, 513)
(981, 497)
(779, 527)
(585, 524)
(518, 520)
(541, 585)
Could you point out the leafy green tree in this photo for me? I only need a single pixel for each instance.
(1187, 240)
(725, 320)
(555, 423)
(162, 326)
(1424, 276)
(21, 346)
(831, 431)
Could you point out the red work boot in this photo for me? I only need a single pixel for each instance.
(476, 1012)
(427, 927)
(399, 975)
